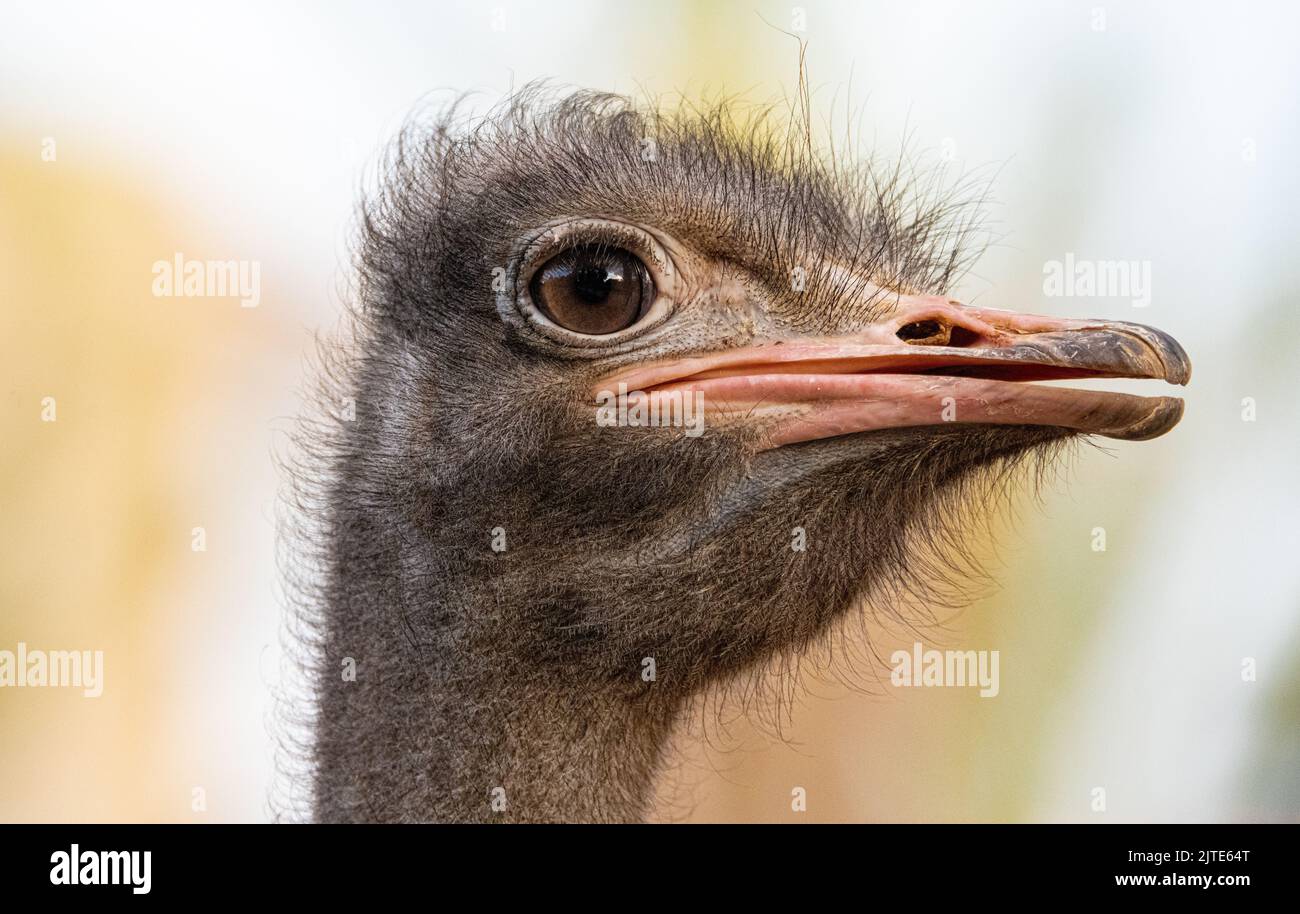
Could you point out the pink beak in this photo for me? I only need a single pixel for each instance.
(934, 361)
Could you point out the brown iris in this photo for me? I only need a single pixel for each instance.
(593, 289)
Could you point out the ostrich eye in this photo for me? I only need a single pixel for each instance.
(593, 289)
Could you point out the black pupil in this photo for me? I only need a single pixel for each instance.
(593, 283)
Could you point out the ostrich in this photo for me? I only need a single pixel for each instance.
(524, 591)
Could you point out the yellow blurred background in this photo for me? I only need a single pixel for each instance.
(1163, 132)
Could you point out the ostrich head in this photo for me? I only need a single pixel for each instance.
(640, 391)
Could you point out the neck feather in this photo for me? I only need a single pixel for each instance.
(448, 731)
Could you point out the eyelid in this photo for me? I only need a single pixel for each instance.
(557, 238)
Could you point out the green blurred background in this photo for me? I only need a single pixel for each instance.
(1164, 132)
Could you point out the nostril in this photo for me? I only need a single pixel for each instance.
(924, 333)
(936, 332)
(962, 337)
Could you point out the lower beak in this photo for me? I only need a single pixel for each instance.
(932, 362)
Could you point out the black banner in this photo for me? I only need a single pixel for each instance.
(243, 862)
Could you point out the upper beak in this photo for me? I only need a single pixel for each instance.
(932, 361)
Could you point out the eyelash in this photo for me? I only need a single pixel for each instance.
(543, 248)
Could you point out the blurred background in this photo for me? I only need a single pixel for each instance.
(1164, 671)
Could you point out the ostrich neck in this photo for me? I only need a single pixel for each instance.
(528, 744)
(451, 730)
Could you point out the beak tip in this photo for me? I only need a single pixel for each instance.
(1178, 366)
(1166, 412)
(1175, 367)
(1173, 356)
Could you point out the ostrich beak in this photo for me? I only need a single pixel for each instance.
(932, 361)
